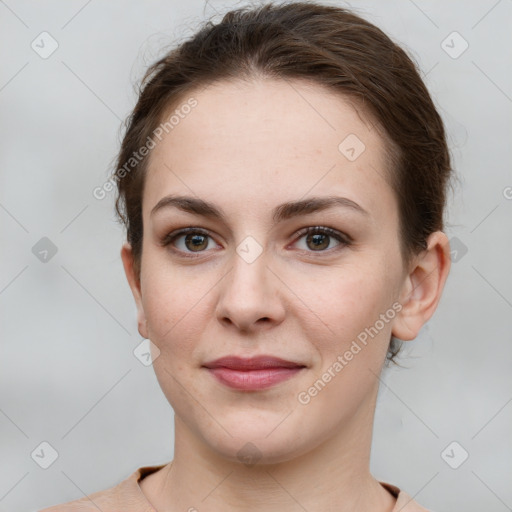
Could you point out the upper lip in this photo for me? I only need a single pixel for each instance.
(252, 363)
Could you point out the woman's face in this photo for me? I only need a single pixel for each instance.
(248, 282)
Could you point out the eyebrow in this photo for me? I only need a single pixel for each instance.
(282, 212)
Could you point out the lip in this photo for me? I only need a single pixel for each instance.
(253, 373)
(252, 363)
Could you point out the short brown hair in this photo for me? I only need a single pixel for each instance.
(327, 45)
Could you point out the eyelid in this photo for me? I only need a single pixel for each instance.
(173, 235)
(341, 236)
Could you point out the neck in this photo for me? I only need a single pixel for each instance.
(332, 476)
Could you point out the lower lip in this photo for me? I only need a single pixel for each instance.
(253, 379)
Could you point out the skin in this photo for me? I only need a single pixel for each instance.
(248, 147)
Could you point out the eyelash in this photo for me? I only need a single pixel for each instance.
(345, 240)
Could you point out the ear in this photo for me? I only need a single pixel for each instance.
(134, 282)
(423, 287)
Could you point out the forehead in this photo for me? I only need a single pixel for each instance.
(264, 142)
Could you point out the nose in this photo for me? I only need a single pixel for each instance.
(250, 296)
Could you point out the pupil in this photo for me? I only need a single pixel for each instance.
(197, 241)
(317, 240)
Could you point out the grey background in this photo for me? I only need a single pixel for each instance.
(68, 375)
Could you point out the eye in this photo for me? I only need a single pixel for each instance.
(319, 238)
(193, 240)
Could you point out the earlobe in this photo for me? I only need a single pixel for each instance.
(135, 286)
(423, 287)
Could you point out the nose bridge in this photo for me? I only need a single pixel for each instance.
(249, 268)
(247, 293)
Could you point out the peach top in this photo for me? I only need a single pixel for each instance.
(127, 496)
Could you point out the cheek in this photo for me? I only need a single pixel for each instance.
(172, 302)
(175, 316)
(351, 351)
(342, 302)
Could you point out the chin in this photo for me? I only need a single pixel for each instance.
(254, 443)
